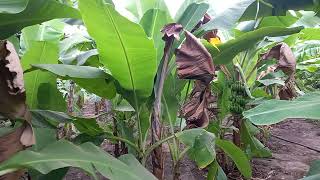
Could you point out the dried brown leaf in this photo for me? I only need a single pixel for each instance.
(171, 30)
(12, 91)
(288, 91)
(206, 18)
(14, 73)
(194, 61)
(196, 109)
(9, 145)
(287, 63)
(285, 57)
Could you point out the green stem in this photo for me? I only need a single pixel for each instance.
(244, 58)
(184, 152)
(176, 147)
(242, 76)
(258, 9)
(253, 69)
(184, 101)
(267, 4)
(155, 145)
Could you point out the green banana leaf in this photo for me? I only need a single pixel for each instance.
(37, 11)
(87, 156)
(275, 111)
(41, 87)
(123, 47)
(92, 79)
(237, 155)
(224, 53)
(13, 6)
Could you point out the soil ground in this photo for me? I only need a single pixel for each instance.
(289, 161)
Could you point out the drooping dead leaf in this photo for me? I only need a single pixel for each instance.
(211, 36)
(9, 145)
(206, 18)
(170, 33)
(12, 91)
(196, 110)
(285, 62)
(288, 91)
(171, 30)
(285, 57)
(194, 61)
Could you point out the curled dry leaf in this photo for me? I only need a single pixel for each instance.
(171, 30)
(170, 33)
(285, 57)
(211, 36)
(288, 91)
(195, 62)
(196, 109)
(287, 63)
(12, 91)
(9, 145)
(206, 18)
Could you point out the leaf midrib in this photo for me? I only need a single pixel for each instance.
(75, 160)
(107, 11)
(154, 18)
(195, 12)
(37, 76)
(286, 108)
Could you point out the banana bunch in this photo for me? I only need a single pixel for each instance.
(238, 97)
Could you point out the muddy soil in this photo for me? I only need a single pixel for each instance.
(289, 162)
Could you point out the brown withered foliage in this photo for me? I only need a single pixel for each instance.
(288, 91)
(206, 18)
(287, 63)
(9, 145)
(195, 62)
(196, 109)
(171, 30)
(13, 105)
(285, 57)
(12, 92)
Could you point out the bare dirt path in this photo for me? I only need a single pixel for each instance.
(289, 161)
